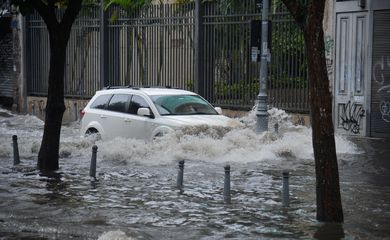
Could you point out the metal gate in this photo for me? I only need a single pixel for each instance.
(7, 74)
(161, 44)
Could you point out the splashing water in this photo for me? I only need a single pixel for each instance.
(214, 144)
(117, 235)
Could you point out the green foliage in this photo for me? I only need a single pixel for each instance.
(229, 6)
(131, 7)
(128, 5)
(189, 84)
(285, 81)
(288, 52)
(25, 7)
(241, 90)
(181, 1)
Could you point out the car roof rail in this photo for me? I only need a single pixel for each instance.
(112, 87)
(118, 87)
(137, 88)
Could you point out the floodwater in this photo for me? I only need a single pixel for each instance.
(135, 197)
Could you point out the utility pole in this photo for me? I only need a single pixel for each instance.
(262, 98)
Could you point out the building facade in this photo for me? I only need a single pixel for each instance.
(361, 67)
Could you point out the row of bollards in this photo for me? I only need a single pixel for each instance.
(180, 175)
(226, 188)
(92, 169)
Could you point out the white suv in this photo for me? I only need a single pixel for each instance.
(145, 113)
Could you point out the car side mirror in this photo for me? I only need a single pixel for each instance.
(219, 110)
(144, 112)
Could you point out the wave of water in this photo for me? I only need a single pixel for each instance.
(210, 144)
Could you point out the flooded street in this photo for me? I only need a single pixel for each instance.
(135, 195)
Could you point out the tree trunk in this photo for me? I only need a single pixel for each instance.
(329, 207)
(55, 107)
(309, 16)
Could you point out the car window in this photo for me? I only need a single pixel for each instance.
(137, 102)
(119, 102)
(182, 105)
(101, 101)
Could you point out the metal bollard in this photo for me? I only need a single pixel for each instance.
(276, 126)
(226, 189)
(92, 169)
(75, 111)
(180, 175)
(33, 109)
(16, 150)
(286, 197)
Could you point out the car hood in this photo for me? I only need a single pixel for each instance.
(192, 120)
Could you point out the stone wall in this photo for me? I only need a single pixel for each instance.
(36, 106)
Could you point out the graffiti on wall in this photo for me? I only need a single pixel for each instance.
(379, 70)
(351, 117)
(385, 110)
(328, 54)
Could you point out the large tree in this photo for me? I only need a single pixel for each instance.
(59, 29)
(309, 16)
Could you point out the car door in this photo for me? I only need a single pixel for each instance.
(141, 126)
(117, 118)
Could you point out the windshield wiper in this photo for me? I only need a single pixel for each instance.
(200, 113)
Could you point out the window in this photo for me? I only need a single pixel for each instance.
(101, 101)
(137, 102)
(182, 105)
(119, 103)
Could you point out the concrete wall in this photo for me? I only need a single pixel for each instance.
(36, 106)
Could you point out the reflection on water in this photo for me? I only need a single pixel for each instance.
(327, 231)
(135, 195)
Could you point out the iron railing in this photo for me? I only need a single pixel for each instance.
(155, 46)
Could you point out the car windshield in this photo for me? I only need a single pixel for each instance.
(182, 105)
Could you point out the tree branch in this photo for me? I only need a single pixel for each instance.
(298, 11)
(47, 13)
(70, 14)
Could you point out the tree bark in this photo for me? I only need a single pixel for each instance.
(310, 17)
(55, 107)
(59, 33)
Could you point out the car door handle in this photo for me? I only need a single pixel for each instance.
(127, 120)
(103, 116)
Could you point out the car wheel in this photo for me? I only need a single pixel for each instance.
(158, 135)
(93, 134)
